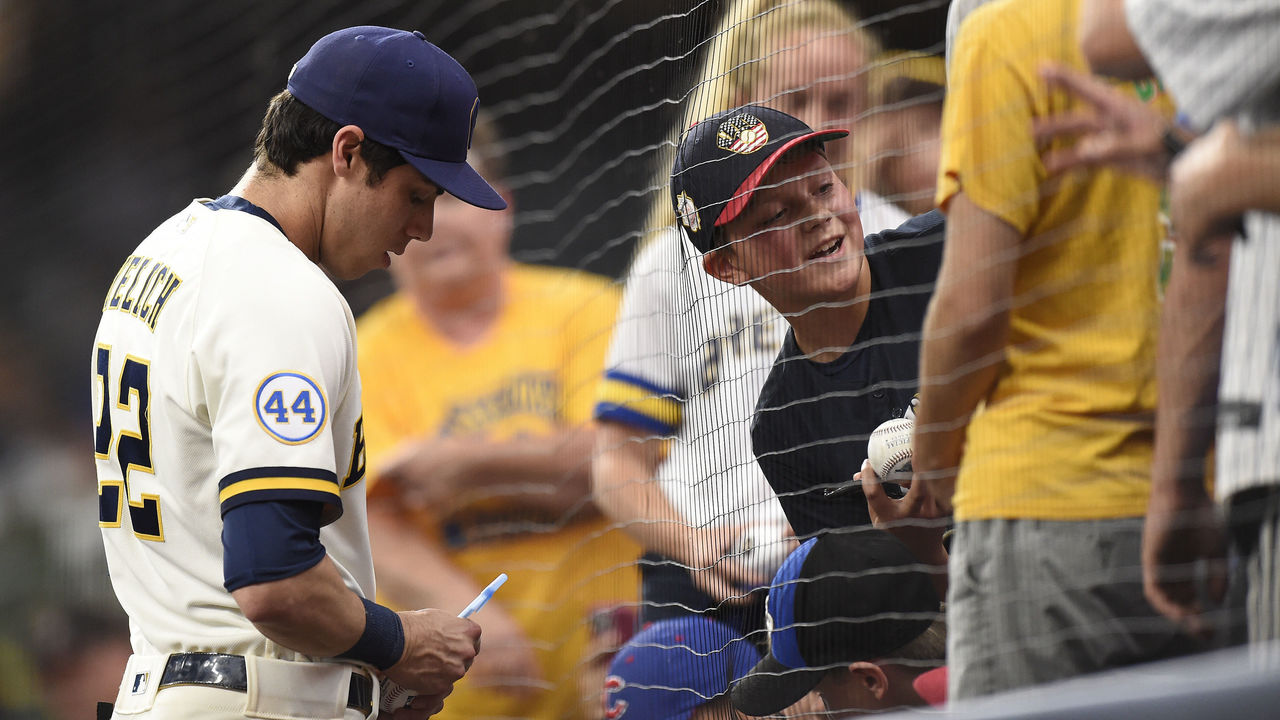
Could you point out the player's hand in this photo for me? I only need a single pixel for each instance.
(915, 518)
(1117, 131)
(1184, 557)
(438, 650)
(508, 663)
(715, 569)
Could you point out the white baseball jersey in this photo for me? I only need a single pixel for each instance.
(687, 360)
(224, 372)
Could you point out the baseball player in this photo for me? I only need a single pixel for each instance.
(756, 195)
(227, 428)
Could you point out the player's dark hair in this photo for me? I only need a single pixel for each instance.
(293, 133)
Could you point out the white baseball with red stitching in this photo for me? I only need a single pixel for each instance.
(889, 450)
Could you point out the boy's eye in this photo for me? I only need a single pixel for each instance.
(770, 218)
(825, 188)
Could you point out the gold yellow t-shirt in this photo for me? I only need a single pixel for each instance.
(1066, 431)
(533, 373)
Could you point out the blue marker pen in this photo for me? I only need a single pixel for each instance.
(475, 605)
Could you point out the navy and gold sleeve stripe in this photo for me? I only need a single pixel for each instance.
(634, 401)
(279, 483)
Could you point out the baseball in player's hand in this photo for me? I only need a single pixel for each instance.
(438, 650)
(508, 663)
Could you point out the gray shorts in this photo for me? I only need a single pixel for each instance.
(1033, 601)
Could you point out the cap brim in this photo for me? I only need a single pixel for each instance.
(771, 687)
(742, 195)
(459, 180)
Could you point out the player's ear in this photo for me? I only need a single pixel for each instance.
(346, 148)
(722, 264)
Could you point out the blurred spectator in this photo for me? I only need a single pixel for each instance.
(477, 379)
(901, 134)
(857, 620)
(1038, 374)
(610, 628)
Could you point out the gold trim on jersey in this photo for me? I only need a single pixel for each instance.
(326, 486)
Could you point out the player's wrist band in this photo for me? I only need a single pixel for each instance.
(382, 642)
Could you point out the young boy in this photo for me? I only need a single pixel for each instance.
(754, 192)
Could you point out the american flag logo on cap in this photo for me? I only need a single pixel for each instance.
(743, 133)
(688, 212)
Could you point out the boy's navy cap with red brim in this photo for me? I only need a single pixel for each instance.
(403, 92)
(723, 159)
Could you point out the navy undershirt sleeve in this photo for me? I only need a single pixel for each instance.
(270, 540)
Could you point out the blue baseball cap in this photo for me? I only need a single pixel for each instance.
(840, 598)
(670, 668)
(403, 92)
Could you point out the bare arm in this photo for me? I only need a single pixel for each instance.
(1107, 43)
(313, 612)
(1182, 526)
(1223, 174)
(551, 473)
(965, 334)
(626, 490)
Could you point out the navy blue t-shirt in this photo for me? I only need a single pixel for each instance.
(812, 421)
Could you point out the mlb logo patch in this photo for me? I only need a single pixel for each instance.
(743, 133)
(688, 212)
(139, 683)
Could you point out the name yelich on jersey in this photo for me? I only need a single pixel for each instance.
(141, 289)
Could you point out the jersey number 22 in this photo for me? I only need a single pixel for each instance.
(132, 450)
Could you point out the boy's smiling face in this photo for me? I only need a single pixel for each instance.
(799, 240)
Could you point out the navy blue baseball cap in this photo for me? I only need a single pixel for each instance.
(839, 598)
(403, 92)
(670, 668)
(723, 159)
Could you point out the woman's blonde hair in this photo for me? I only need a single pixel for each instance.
(737, 62)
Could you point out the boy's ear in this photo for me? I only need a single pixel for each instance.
(722, 264)
(870, 678)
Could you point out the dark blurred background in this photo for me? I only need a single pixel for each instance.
(115, 115)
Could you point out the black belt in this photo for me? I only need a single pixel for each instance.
(228, 672)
